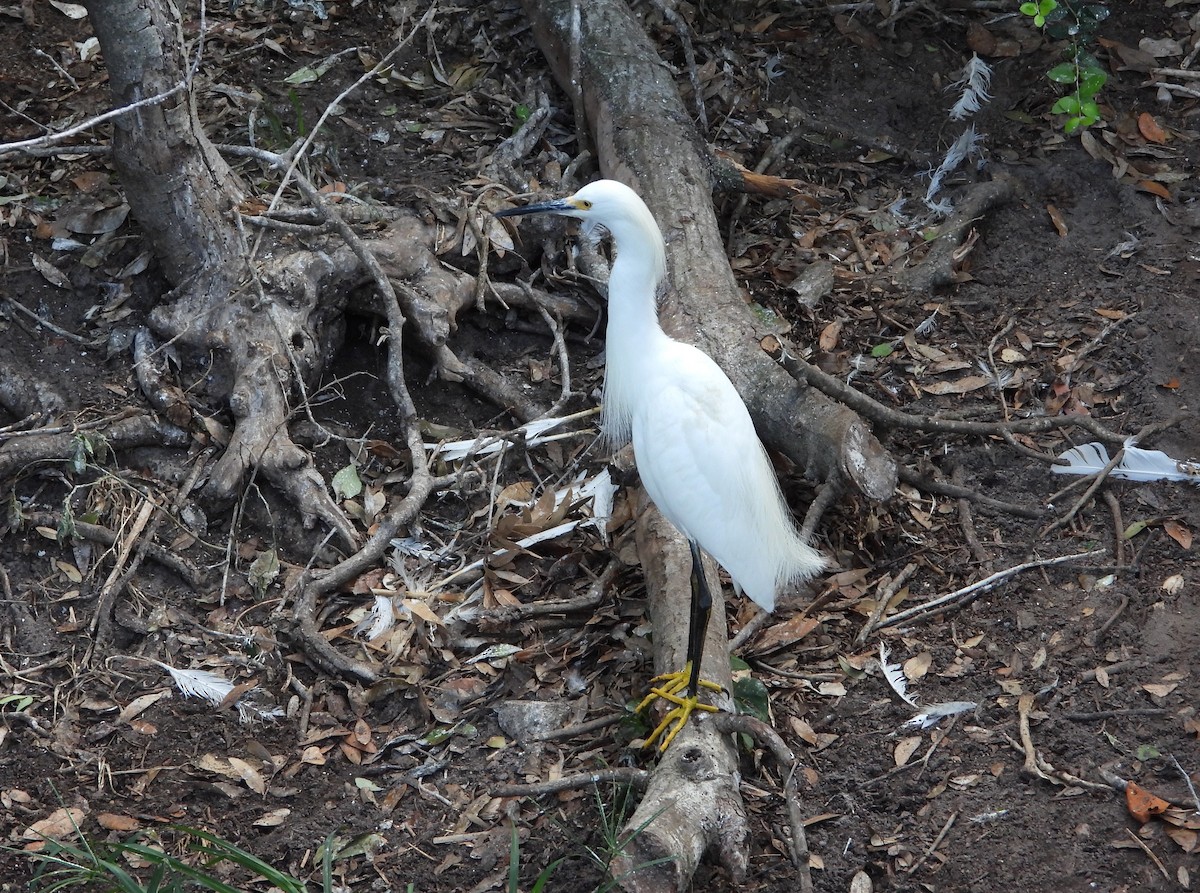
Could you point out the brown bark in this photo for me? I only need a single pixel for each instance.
(267, 333)
(175, 182)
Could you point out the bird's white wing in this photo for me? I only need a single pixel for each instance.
(703, 465)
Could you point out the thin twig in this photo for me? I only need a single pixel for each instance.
(928, 485)
(961, 597)
(763, 734)
(51, 138)
(57, 330)
(636, 778)
(885, 415)
(885, 595)
(1187, 779)
(966, 522)
(936, 842)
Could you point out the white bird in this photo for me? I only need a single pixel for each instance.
(693, 441)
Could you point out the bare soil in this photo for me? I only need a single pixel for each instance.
(1081, 324)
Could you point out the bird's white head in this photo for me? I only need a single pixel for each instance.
(617, 208)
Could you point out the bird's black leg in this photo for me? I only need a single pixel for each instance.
(698, 621)
(671, 685)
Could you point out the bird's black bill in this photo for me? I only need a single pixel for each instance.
(558, 206)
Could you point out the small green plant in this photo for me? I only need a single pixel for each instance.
(101, 866)
(1076, 22)
(614, 842)
(514, 868)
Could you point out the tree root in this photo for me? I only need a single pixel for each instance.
(96, 533)
(123, 432)
(635, 778)
(953, 241)
(766, 736)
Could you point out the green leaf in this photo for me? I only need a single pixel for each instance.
(1090, 81)
(1029, 9)
(346, 483)
(305, 75)
(1135, 528)
(1067, 105)
(751, 697)
(1146, 752)
(1063, 73)
(879, 351)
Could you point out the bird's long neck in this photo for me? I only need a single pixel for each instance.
(633, 332)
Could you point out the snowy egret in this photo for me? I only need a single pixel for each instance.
(693, 441)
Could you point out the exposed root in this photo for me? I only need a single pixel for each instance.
(769, 738)
(953, 241)
(122, 432)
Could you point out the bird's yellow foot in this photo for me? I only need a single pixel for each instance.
(669, 688)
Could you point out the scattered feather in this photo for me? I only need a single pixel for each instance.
(975, 81)
(250, 712)
(487, 445)
(216, 689)
(895, 677)
(1126, 248)
(1001, 379)
(927, 325)
(414, 548)
(379, 621)
(935, 713)
(1136, 465)
(203, 684)
(964, 147)
(601, 491)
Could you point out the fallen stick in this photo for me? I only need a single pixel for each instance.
(960, 597)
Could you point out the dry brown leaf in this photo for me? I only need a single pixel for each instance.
(58, 825)
(50, 272)
(111, 821)
(1154, 188)
(917, 666)
(905, 748)
(273, 818)
(251, 776)
(1142, 804)
(785, 633)
(422, 610)
(962, 386)
(1173, 584)
(828, 338)
(313, 756)
(1160, 689)
(1188, 840)
(1179, 533)
(137, 705)
(1056, 218)
(1150, 128)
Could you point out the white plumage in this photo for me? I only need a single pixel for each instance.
(693, 440)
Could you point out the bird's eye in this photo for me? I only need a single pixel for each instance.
(584, 205)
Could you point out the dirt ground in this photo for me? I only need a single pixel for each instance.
(1080, 292)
